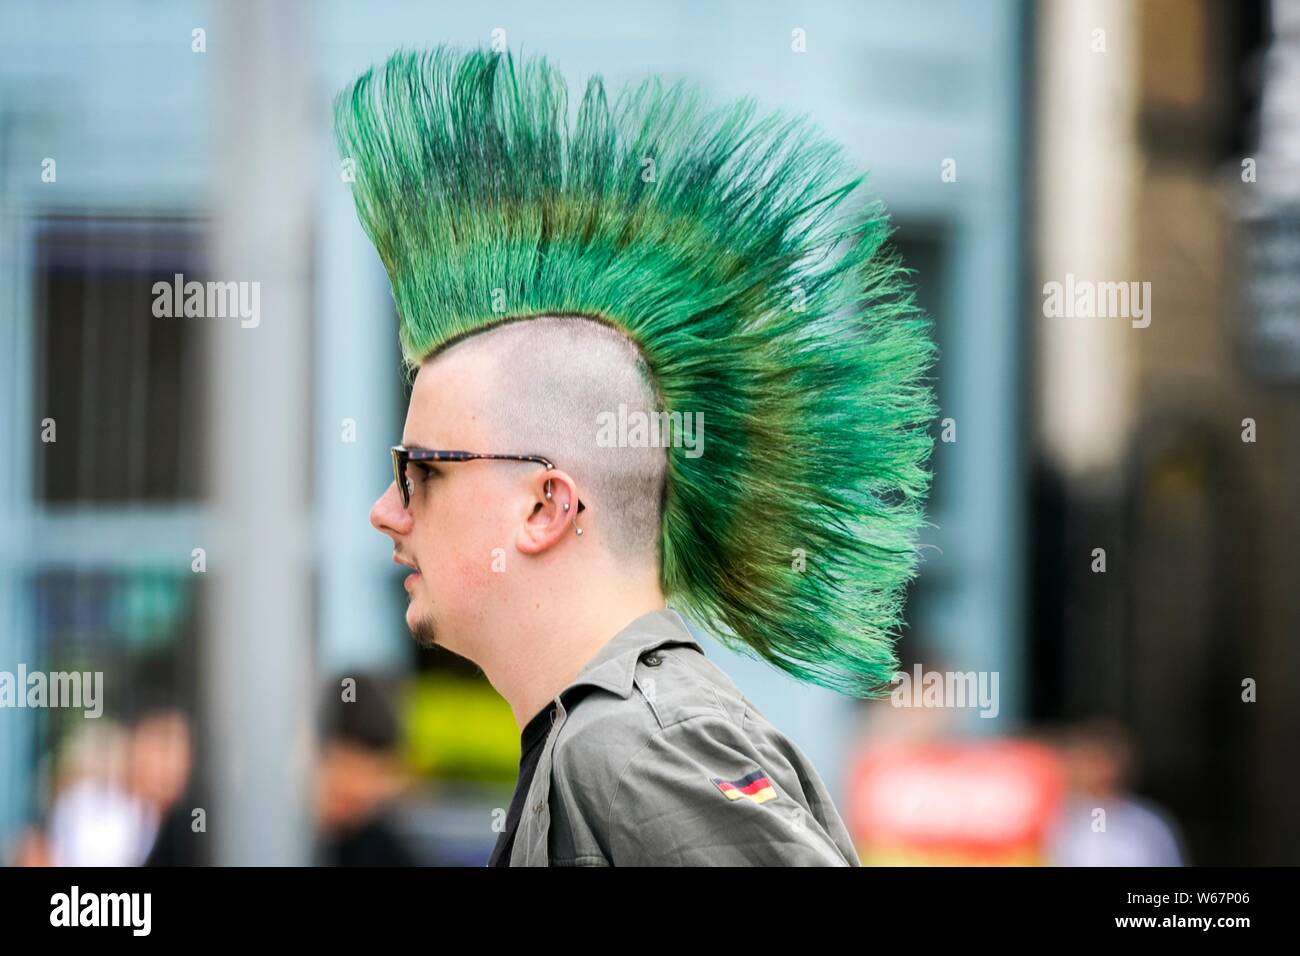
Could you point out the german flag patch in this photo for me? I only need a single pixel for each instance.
(754, 786)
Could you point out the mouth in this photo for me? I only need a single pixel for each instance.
(415, 571)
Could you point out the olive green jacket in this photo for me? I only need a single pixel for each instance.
(655, 758)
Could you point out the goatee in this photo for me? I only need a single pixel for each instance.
(423, 633)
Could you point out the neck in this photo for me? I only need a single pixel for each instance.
(546, 650)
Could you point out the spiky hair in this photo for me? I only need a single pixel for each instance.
(724, 243)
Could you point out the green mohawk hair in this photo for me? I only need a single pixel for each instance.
(721, 243)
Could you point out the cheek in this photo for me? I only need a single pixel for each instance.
(485, 559)
(464, 547)
(472, 575)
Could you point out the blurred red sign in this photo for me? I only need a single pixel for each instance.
(976, 802)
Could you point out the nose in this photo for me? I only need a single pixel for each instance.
(387, 516)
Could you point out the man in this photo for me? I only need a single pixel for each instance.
(656, 361)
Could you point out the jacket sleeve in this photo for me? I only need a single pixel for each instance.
(669, 808)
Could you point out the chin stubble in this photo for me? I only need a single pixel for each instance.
(423, 632)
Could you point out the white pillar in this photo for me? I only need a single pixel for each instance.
(1087, 175)
(258, 640)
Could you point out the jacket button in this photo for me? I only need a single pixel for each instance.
(652, 660)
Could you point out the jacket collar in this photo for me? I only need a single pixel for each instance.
(614, 665)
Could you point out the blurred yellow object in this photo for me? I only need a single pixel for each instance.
(458, 728)
(913, 856)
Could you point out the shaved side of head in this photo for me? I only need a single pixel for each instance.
(556, 379)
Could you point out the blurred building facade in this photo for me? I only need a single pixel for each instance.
(1165, 149)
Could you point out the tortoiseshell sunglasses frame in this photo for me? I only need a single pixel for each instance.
(402, 454)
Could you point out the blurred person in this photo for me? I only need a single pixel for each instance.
(1099, 758)
(359, 777)
(164, 777)
(582, 306)
(95, 817)
(161, 757)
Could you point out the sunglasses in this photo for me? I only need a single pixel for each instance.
(403, 455)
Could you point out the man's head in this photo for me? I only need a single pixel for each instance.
(484, 539)
(360, 765)
(765, 301)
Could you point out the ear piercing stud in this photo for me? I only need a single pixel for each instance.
(566, 506)
(575, 527)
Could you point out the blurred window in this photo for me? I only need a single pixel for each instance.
(122, 386)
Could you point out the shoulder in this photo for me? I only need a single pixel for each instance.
(682, 710)
(604, 732)
(670, 685)
(685, 770)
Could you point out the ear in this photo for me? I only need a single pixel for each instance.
(551, 518)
